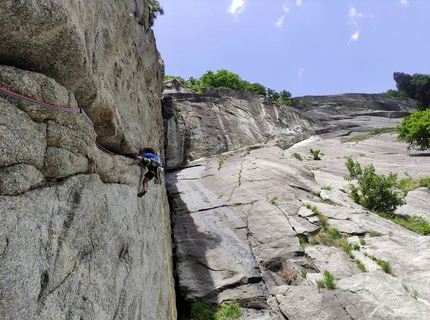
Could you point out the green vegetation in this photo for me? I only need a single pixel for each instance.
(375, 234)
(316, 154)
(414, 294)
(348, 251)
(302, 241)
(408, 184)
(371, 134)
(204, 310)
(329, 236)
(273, 201)
(328, 281)
(375, 192)
(154, 10)
(297, 156)
(226, 79)
(221, 161)
(190, 157)
(360, 265)
(415, 130)
(385, 265)
(326, 188)
(229, 311)
(239, 181)
(415, 223)
(304, 272)
(362, 241)
(396, 94)
(416, 87)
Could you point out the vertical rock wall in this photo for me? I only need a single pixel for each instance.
(75, 241)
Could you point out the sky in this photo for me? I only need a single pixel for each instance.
(307, 47)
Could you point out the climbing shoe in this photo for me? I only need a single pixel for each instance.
(141, 193)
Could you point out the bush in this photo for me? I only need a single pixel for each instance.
(297, 156)
(204, 310)
(374, 192)
(315, 154)
(415, 130)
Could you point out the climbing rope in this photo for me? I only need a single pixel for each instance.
(54, 107)
(45, 105)
(168, 258)
(76, 110)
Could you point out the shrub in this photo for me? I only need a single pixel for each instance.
(375, 192)
(297, 156)
(204, 310)
(229, 311)
(415, 130)
(315, 154)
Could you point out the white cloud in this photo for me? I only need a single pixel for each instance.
(236, 7)
(280, 22)
(404, 3)
(300, 72)
(285, 8)
(298, 2)
(353, 16)
(354, 36)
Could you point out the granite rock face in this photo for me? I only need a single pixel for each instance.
(243, 229)
(75, 241)
(245, 219)
(101, 51)
(221, 120)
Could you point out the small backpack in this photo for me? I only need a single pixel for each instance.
(157, 161)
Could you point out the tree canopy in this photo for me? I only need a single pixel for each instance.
(226, 79)
(415, 130)
(416, 87)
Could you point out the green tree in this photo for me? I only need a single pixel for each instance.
(422, 90)
(272, 94)
(255, 88)
(396, 94)
(415, 130)
(194, 82)
(221, 79)
(416, 87)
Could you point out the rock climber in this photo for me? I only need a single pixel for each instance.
(152, 162)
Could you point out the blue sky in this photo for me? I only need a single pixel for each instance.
(307, 47)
